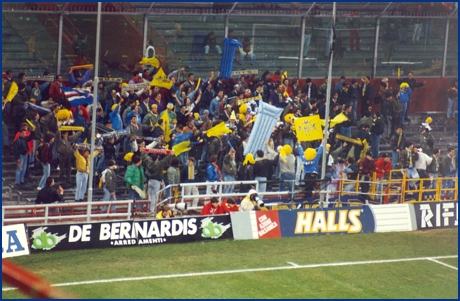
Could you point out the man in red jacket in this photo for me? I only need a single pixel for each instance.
(366, 168)
(229, 205)
(212, 208)
(382, 167)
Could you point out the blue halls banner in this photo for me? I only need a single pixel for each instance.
(306, 222)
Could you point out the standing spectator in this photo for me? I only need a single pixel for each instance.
(395, 110)
(229, 171)
(410, 80)
(213, 174)
(417, 22)
(405, 93)
(407, 158)
(64, 148)
(452, 100)
(154, 171)
(55, 90)
(212, 207)
(261, 170)
(428, 24)
(366, 168)
(210, 42)
(448, 167)
(109, 185)
(310, 160)
(83, 168)
(378, 128)
(310, 90)
(434, 168)
(353, 24)
(367, 94)
(385, 110)
(421, 164)
(135, 177)
(246, 171)
(189, 174)
(397, 142)
(391, 36)
(287, 168)
(246, 52)
(382, 168)
(46, 159)
(20, 149)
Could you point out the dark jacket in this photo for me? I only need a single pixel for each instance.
(378, 127)
(64, 146)
(366, 167)
(262, 167)
(154, 169)
(48, 195)
(394, 142)
(110, 180)
(20, 146)
(47, 153)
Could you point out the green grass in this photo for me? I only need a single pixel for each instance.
(407, 279)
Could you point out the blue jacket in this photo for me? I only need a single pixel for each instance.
(310, 166)
(116, 119)
(214, 107)
(84, 78)
(405, 96)
(212, 175)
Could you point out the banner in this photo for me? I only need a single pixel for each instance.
(161, 80)
(434, 215)
(110, 79)
(135, 87)
(348, 139)
(245, 100)
(326, 221)
(128, 233)
(14, 241)
(157, 151)
(308, 128)
(245, 72)
(47, 78)
(78, 97)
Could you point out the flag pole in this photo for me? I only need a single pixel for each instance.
(93, 117)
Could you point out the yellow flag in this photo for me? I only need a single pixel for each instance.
(338, 119)
(12, 93)
(218, 130)
(154, 62)
(161, 80)
(198, 84)
(165, 116)
(182, 147)
(308, 128)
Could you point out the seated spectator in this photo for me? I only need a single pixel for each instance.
(210, 42)
(49, 194)
(212, 208)
(247, 51)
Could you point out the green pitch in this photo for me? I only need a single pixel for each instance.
(380, 265)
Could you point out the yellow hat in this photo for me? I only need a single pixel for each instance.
(328, 147)
(114, 106)
(249, 159)
(128, 157)
(428, 120)
(196, 115)
(63, 114)
(32, 100)
(404, 85)
(233, 116)
(288, 117)
(154, 106)
(309, 154)
(285, 150)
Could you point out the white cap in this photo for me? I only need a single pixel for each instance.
(252, 191)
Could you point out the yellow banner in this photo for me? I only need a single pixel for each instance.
(245, 100)
(71, 128)
(338, 119)
(87, 66)
(161, 80)
(218, 130)
(154, 62)
(167, 128)
(348, 139)
(308, 128)
(12, 93)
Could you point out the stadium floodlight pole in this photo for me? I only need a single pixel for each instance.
(302, 39)
(328, 97)
(146, 24)
(227, 16)
(376, 40)
(93, 117)
(446, 43)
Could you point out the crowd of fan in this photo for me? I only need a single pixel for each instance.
(195, 106)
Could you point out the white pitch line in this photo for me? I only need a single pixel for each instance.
(442, 263)
(293, 264)
(307, 266)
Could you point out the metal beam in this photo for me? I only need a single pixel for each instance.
(453, 12)
(59, 52)
(376, 47)
(385, 9)
(144, 40)
(150, 8)
(308, 11)
(446, 43)
(231, 10)
(65, 7)
(302, 44)
(93, 126)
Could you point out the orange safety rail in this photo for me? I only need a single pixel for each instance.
(29, 283)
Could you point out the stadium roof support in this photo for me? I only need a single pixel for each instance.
(302, 37)
(226, 19)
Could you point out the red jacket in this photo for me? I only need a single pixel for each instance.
(47, 153)
(30, 144)
(381, 168)
(209, 210)
(366, 167)
(55, 91)
(228, 209)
